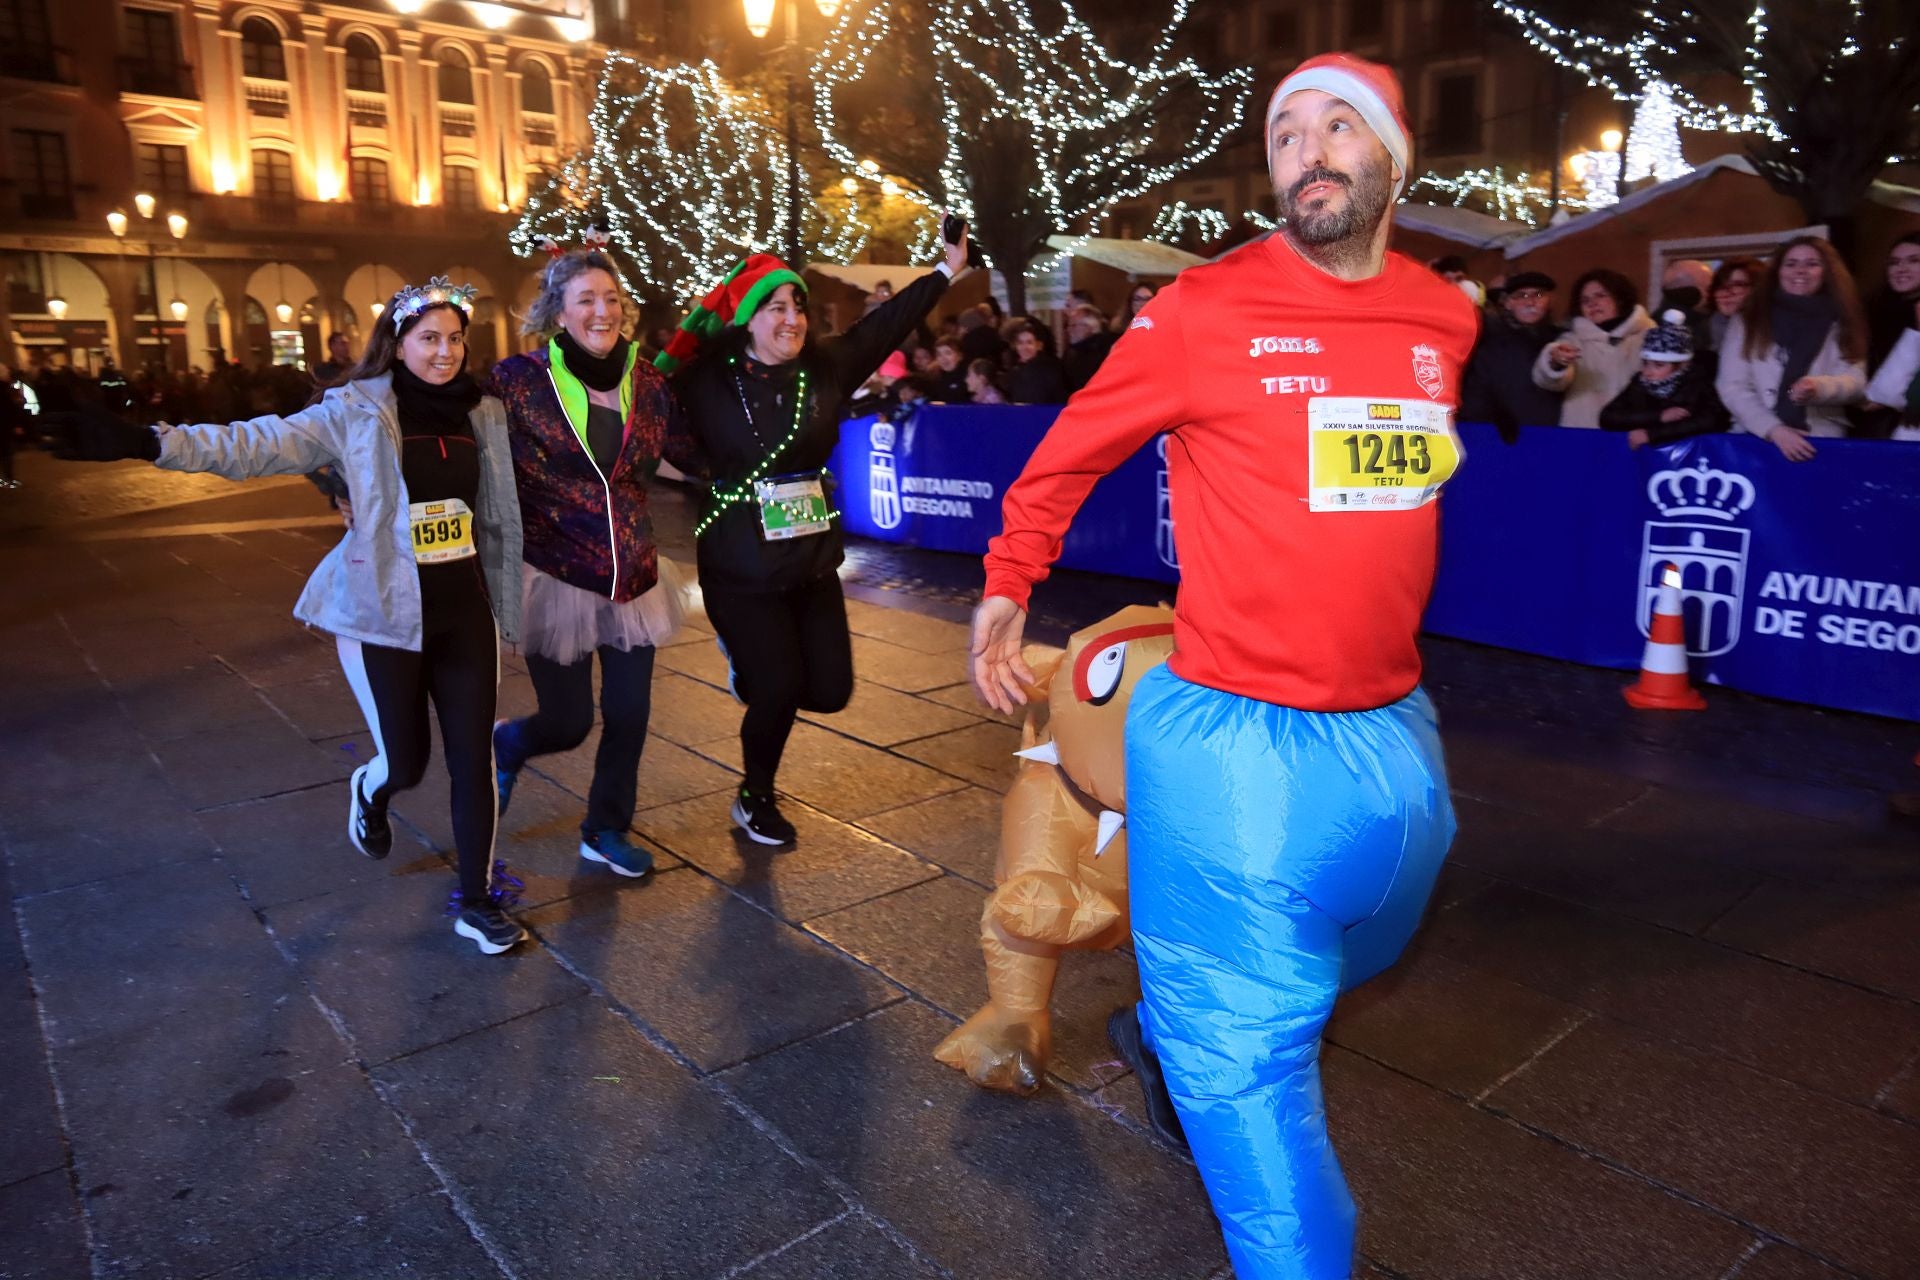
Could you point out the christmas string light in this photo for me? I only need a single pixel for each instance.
(720, 499)
(687, 176)
(1172, 221)
(1653, 146)
(1092, 123)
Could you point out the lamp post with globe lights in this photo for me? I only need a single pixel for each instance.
(176, 223)
(759, 15)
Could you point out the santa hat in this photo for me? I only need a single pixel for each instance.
(1369, 88)
(732, 301)
(1670, 342)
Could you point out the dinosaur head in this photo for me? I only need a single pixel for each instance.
(1088, 699)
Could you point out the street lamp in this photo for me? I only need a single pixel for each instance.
(117, 222)
(57, 307)
(759, 14)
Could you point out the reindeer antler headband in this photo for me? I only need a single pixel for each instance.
(415, 298)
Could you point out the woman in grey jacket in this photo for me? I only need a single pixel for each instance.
(426, 582)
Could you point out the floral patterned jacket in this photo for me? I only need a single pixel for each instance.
(587, 529)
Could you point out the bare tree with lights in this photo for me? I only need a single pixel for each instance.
(1017, 113)
(1831, 86)
(687, 176)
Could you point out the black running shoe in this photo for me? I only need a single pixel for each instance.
(762, 820)
(1123, 1033)
(491, 929)
(367, 825)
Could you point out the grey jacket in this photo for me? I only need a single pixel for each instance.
(367, 588)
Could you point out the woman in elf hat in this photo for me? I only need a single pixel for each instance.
(425, 583)
(1672, 397)
(590, 422)
(763, 402)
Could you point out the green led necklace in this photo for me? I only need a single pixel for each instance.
(743, 492)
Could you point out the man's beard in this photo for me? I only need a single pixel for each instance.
(1368, 195)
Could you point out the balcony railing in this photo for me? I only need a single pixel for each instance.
(46, 64)
(366, 110)
(542, 130)
(161, 80)
(268, 98)
(57, 206)
(456, 121)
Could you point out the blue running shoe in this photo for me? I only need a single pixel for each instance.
(614, 849)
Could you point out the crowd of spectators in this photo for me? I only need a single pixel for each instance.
(1783, 349)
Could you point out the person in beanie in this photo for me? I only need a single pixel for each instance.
(1499, 387)
(1287, 807)
(763, 402)
(590, 422)
(1673, 396)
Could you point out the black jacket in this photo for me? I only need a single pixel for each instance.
(1084, 358)
(1637, 409)
(1040, 380)
(732, 554)
(1499, 386)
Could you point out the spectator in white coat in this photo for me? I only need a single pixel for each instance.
(1796, 356)
(1599, 354)
(1896, 383)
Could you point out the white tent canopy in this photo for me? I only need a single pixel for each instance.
(1135, 257)
(865, 275)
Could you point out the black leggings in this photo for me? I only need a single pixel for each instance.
(790, 653)
(458, 669)
(565, 718)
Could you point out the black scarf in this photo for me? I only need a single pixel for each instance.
(1800, 328)
(439, 408)
(600, 373)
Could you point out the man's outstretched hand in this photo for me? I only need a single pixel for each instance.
(1000, 674)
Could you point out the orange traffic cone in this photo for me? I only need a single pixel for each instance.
(1663, 683)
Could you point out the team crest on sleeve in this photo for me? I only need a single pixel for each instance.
(1427, 372)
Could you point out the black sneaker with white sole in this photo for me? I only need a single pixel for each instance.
(367, 825)
(762, 820)
(490, 928)
(1123, 1033)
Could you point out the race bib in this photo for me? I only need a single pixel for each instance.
(792, 506)
(1377, 455)
(441, 531)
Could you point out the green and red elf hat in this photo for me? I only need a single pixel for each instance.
(732, 301)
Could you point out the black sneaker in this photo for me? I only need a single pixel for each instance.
(761, 819)
(491, 929)
(1123, 1033)
(367, 825)
(502, 778)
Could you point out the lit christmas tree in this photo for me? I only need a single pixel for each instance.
(1653, 145)
(687, 177)
(1030, 126)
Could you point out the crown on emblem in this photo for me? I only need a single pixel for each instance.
(881, 436)
(1700, 491)
(415, 298)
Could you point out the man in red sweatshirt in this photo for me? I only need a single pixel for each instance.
(1287, 807)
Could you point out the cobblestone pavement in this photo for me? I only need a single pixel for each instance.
(1663, 1024)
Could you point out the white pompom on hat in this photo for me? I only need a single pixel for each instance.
(1369, 88)
(1669, 342)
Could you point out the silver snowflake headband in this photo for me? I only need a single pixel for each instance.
(415, 298)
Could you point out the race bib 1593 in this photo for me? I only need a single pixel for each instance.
(1377, 455)
(441, 531)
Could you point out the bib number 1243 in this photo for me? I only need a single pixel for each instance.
(1378, 455)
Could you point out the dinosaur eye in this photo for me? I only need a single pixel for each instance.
(1103, 673)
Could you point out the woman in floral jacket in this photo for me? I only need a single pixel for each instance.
(589, 421)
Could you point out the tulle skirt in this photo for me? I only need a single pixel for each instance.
(564, 623)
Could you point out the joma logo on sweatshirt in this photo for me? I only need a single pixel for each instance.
(1285, 347)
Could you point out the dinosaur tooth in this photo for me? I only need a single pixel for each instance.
(1110, 824)
(1046, 753)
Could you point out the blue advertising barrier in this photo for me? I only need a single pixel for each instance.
(1799, 580)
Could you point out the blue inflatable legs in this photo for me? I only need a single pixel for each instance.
(1277, 858)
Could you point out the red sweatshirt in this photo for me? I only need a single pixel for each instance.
(1309, 424)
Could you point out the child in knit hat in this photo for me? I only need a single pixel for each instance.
(1671, 398)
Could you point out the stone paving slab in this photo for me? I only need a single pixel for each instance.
(203, 698)
(1513, 778)
(985, 1185)
(589, 1154)
(980, 753)
(289, 847)
(31, 1138)
(382, 958)
(253, 1134)
(320, 706)
(959, 831)
(420, 1236)
(885, 717)
(906, 669)
(849, 1249)
(834, 865)
(961, 697)
(1814, 1031)
(688, 712)
(669, 773)
(847, 779)
(906, 629)
(719, 979)
(1453, 1193)
(1779, 1262)
(244, 762)
(1870, 940)
(1834, 1179)
(41, 1234)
